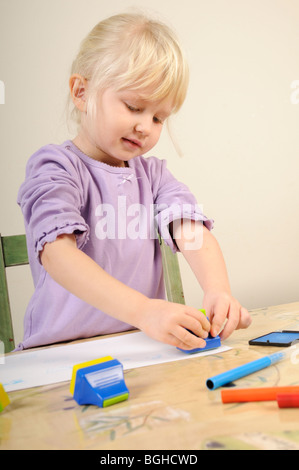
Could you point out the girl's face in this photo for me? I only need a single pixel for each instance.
(125, 126)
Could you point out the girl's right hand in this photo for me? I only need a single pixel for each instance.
(169, 323)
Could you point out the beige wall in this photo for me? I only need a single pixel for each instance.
(238, 129)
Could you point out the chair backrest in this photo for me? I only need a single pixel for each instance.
(172, 275)
(13, 252)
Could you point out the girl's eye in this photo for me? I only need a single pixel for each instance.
(132, 108)
(157, 120)
(135, 109)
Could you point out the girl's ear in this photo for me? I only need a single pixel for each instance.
(78, 89)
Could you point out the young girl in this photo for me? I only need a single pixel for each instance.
(92, 205)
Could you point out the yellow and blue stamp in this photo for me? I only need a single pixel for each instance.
(99, 382)
(4, 399)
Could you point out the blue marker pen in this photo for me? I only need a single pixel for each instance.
(243, 371)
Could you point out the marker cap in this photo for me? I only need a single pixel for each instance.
(288, 400)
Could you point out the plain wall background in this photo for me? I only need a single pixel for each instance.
(238, 129)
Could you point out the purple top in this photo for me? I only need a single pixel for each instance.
(115, 213)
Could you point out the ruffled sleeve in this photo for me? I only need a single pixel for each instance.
(51, 198)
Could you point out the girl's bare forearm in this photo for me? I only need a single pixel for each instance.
(206, 261)
(83, 277)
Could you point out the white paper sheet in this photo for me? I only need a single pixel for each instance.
(52, 365)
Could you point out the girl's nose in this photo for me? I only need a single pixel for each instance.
(143, 126)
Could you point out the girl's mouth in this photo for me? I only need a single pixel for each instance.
(132, 143)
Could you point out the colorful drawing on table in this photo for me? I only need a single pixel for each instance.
(129, 419)
(28, 369)
(279, 313)
(285, 440)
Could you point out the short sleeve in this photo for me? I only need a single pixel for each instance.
(51, 199)
(173, 200)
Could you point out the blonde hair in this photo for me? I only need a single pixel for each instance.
(131, 51)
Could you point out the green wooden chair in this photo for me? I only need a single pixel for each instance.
(172, 275)
(13, 252)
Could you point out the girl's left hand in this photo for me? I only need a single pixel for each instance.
(225, 313)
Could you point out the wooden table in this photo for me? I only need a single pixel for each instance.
(169, 407)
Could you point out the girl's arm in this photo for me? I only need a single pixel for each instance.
(162, 320)
(202, 252)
